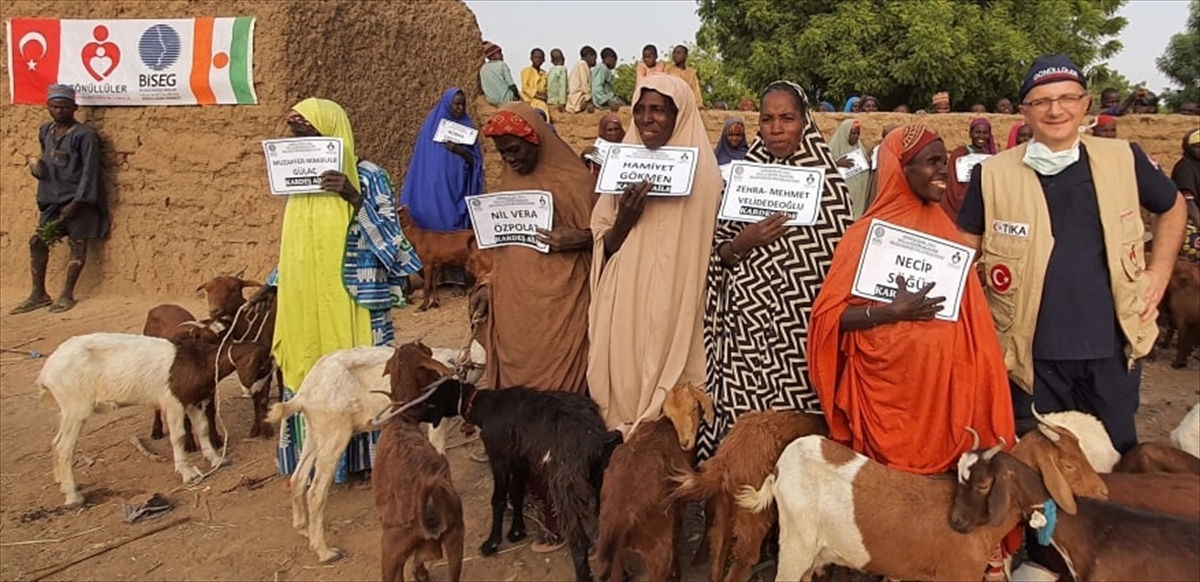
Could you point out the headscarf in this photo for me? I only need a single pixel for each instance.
(330, 120)
(747, 104)
(644, 344)
(849, 107)
(508, 122)
(903, 393)
(828, 107)
(939, 98)
(490, 49)
(1186, 172)
(860, 184)
(863, 102)
(535, 295)
(991, 142)
(726, 153)
(438, 179)
(1013, 135)
(604, 120)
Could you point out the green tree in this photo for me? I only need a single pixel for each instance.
(1181, 61)
(624, 80)
(906, 50)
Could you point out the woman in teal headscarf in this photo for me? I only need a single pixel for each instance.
(340, 250)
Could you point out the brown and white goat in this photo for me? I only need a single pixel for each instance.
(436, 249)
(339, 397)
(418, 506)
(1099, 540)
(101, 372)
(839, 507)
(746, 456)
(636, 513)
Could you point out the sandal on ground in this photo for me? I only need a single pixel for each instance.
(547, 543)
(31, 304)
(63, 304)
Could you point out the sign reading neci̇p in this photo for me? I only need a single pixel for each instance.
(756, 191)
(191, 61)
(670, 169)
(295, 165)
(918, 257)
(511, 218)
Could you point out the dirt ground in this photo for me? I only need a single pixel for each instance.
(238, 523)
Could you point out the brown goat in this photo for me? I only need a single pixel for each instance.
(1099, 540)
(1182, 307)
(436, 249)
(635, 512)
(418, 506)
(745, 458)
(1055, 454)
(166, 321)
(1155, 457)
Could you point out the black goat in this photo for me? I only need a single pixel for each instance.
(558, 435)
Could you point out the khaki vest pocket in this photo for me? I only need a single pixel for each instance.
(1003, 266)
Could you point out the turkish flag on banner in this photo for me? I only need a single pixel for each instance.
(33, 57)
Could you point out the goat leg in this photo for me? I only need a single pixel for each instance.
(156, 430)
(500, 478)
(516, 497)
(1187, 333)
(579, 543)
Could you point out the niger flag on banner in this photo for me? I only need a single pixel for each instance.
(198, 61)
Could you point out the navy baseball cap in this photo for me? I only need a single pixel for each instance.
(1051, 69)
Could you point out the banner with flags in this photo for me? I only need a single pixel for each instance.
(194, 61)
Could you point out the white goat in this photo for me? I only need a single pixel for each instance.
(1186, 436)
(1093, 439)
(102, 372)
(839, 507)
(339, 398)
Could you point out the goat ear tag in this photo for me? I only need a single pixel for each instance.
(1037, 520)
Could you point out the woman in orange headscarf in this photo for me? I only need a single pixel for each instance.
(896, 384)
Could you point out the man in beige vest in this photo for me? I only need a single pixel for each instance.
(1058, 223)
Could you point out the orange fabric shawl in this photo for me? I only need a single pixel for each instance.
(903, 394)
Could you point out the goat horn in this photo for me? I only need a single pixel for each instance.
(975, 436)
(238, 275)
(1048, 431)
(988, 454)
(195, 324)
(1041, 419)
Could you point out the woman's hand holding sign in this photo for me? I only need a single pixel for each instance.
(909, 306)
(629, 210)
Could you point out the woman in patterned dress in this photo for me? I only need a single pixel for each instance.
(764, 277)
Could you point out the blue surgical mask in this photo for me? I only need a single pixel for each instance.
(1047, 163)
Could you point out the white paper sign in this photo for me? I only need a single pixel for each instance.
(511, 218)
(295, 165)
(602, 146)
(964, 165)
(860, 164)
(920, 258)
(670, 169)
(756, 191)
(450, 132)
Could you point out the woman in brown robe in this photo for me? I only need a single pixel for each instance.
(535, 332)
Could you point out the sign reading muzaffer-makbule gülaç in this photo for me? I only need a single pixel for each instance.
(511, 218)
(295, 164)
(920, 258)
(756, 191)
(670, 169)
(187, 61)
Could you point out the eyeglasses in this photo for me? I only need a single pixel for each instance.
(1063, 100)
